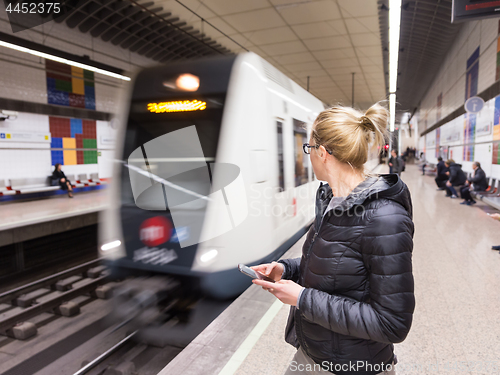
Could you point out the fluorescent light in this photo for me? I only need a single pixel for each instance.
(392, 111)
(64, 61)
(394, 27)
(111, 245)
(394, 30)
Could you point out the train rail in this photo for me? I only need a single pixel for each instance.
(50, 294)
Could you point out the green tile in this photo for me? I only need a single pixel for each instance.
(88, 75)
(89, 143)
(64, 85)
(89, 83)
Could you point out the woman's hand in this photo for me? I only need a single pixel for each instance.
(495, 216)
(273, 270)
(285, 290)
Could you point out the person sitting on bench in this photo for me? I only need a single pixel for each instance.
(477, 182)
(441, 177)
(58, 175)
(456, 178)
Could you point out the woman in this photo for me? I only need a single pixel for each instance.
(59, 176)
(351, 292)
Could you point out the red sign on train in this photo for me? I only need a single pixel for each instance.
(155, 231)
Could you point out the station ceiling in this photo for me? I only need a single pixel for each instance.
(426, 36)
(325, 40)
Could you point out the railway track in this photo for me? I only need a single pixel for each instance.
(61, 325)
(50, 294)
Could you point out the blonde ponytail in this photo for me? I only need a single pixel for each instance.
(348, 134)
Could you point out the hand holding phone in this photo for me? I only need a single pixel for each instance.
(253, 274)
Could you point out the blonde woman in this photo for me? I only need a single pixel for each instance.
(351, 292)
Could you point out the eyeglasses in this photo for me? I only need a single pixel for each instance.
(306, 148)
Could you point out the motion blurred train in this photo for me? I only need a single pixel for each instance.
(209, 172)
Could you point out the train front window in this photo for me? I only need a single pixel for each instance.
(168, 150)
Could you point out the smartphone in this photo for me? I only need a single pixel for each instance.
(253, 274)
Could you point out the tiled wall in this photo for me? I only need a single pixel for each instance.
(67, 146)
(468, 137)
(82, 146)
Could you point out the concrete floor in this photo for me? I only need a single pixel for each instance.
(19, 214)
(456, 327)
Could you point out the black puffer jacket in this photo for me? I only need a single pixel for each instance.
(457, 175)
(479, 180)
(357, 270)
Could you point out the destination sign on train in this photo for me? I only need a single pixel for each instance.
(177, 106)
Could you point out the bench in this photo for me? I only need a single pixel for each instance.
(94, 180)
(31, 185)
(493, 201)
(4, 190)
(430, 168)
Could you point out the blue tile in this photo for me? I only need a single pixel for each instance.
(57, 97)
(89, 102)
(51, 83)
(56, 143)
(76, 127)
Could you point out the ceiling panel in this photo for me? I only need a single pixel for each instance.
(358, 8)
(269, 36)
(283, 48)
(307, 12)
(326, 40)
(294, 58)
(315, 30)
(255, 20)
(363, 25)
(225, 7)
(330, 42)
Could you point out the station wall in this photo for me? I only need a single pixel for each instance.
(31, 144)
(471, 66)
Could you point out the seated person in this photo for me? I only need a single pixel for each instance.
(456, 178)
(441, 177)
(477, 182)
(59, 176)
(496, 217)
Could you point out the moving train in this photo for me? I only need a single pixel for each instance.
(209, 172)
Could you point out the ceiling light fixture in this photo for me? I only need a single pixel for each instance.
(394, 30)
(63, 60)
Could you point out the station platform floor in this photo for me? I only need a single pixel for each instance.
(21, 214)
(456, 325)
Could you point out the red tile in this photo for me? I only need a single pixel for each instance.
(89, 129)
(77, 101)
(79, 157)
(59, 127)
(79, 141)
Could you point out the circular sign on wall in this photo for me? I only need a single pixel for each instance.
(474, 104)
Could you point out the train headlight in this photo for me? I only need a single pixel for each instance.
(111, 245)
(187, 82)
(209, 255)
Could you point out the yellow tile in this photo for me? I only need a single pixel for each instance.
(69, 157)
(69, 143)
(76, 72)
(78, 86)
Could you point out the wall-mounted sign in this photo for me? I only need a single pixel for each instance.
(107, 141)
(15, 136)
(474, 104)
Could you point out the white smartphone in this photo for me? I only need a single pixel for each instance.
(253, 274)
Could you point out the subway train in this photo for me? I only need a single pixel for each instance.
(209, 172)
